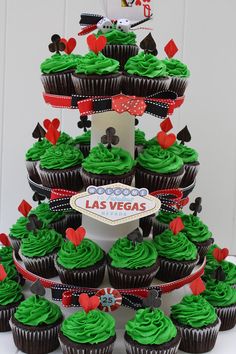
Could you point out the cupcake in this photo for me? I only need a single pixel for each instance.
(106, 165)
(132, 263)
(33, 156)
(197, 322)
(179, 74)
(35, 325)
(223, 298)
(80, 261)
(139, 141)
(83, 142)
(162, 220)
(177, 255)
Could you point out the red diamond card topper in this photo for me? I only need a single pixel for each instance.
(166, 125)
(24, 208)
(220, 254)
(4, 240)
(171, 49)
(88, 303)
(55, 122)
(76, 236)
(166, 140)
(96, 44)
(3, 273)
(52, 134)
(70, 44)
(197, 286)
(176, 225)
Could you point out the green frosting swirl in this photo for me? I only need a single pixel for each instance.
(150, 327)
(10, 292)
(145, 65)
(118, 37)
(93, 327)
(84, 138)
(159, 160)
(46, 215)
(84, 255)
(175, 67)
(61, 157)
(41, 243)
(228, 267)
(194, 311)
(19, 230)
(187, 154)
(166, 217)
(194, 229)
(124, 254)
(6, 255)
(58, 63)
(139, 137)
(114, 161)
(219, 294)
(97, 64)
(11, 271)
(64, 139)
(176, 247)
(37, 150)
(37, 311)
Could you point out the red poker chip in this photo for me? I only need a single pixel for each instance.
(110, 299)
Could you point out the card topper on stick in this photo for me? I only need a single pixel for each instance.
(149, 45)
(24, 208)
(165, 140)
(38, 132)
(197, 286)
(219, 274)
(38, 197)
(153, 300)
(3, 273)
(55, 122)
(171, 49)
(176, 225)
(52, 134)
(56, 45)
(95, 44)
(220, 254)
(184, 135)
(76, 236)
(196, 207)
(166, 125)
(70, 44)
(37, 288)
(34, 223)
(135, 236)
(88, 303)
(4, 240)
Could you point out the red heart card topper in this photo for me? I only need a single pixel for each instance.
(5, 240)
(55, 122)
(171, 49)
(76, 236)
(176, 225)
(166, 125)
(220, 254)
(52, 134)
(3, 273)
(89, 303)
(24, 208)
(96, 44)
(166, 140)
(197, 286)
(70, 44)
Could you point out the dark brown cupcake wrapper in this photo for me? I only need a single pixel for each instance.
(67, 179)
(73, 219)
(6, 313)
(59, 225)
(35, 340)
(171, 270)
(146, 225)
(227, 315)
(101, 180)
(31, 167)
(58, 83)
(178, 85)
(15, 243)
(97, 85)
(84, 148)
(203, 247)
(198, 340)
(120, 52)
(191, 171)
(158, 227)
(154, 181)
(143, 86)
(42, 266)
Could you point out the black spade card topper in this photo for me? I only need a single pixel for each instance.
(135, 236)
(184, 135)
(56, 45)
(153, 300)
(196, 207)
(110, 138)
(219, 274)
(34, 223)
(149, 45)
(37, 288)
(38, 132)
(84, 123)
(38, 197)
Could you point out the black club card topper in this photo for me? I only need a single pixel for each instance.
(153, 299)
(38, 197)
(56, 45)
(135, 236)
(196, 207)
(84, 123)
(149, 45)
(34, 223)
(184, 135)
(218, 274)
(37, 288)
(110, 138)
(38, 132)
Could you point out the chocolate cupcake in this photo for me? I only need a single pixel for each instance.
(179, 74)
(83, 142)
(35, 325)
(139, 141)
(162, 220)
(197, 322)
(33, 156)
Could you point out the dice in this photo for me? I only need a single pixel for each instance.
(105, 25)
(123, 25)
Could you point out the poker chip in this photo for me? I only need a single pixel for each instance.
(110, 299)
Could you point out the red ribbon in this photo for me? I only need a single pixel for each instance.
(57, 193)
(134, 105)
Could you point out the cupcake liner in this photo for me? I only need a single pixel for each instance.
(198, 340)
(146, 225)
(90, 277)
(120, 52)
(84, 148)
(97, 85)
(156, 181)
(35, 340)
(58, 83)
(203, 247)
(73, 219)
(67, 179)
(6, 313)
(143, 86)
(178, 85)
(131, 278)
(59, 225)
(31, 167)
(171, 270)
(70, 347)
(101, 180)
(138, 149)
(158, 227)
(133, 347)
(42, 266)
(15, 243)
(191, 171)
(227, 316)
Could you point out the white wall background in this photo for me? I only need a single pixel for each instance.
(205, 33)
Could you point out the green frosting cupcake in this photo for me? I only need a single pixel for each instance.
(83, 139)
(37, 311)
(151, 327)
(228, 267)
(6, 255)
(187, 154)
(64, 139)
(10, 292)
(194, 311)
(59, 63)
(41, 243)
(60, 157)
(118, 37)
(139, 137)
(37, 150)
(176, 247)
(46, 215)
(19, 230)
(166, 217)
(97, 64)
(175, 67)
(219, 294)
(84, 255)
(146, 65)
(194, 229)
(11, 271)
(124, 254)
(159, 160)
(93, 327)
(114, 161)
